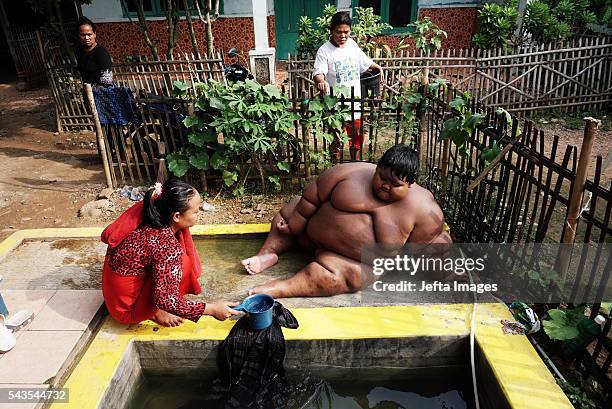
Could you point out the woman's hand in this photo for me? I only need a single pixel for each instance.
(221, 310)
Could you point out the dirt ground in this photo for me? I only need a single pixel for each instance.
(46, 177)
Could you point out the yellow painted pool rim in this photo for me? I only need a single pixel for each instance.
(522, 376)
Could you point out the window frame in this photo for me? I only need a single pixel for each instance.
(157, 11)
(384, 14)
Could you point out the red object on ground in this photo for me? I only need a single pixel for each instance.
(130, 299)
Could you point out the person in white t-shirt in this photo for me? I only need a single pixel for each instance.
(341, 61)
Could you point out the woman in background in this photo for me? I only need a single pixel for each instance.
(93, 61)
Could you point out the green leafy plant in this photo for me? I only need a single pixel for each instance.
(313, 34)
(326, 115)
(544, 21)
(321, 160)
(459, 128)
(255, 122)
(563, 323)
(577, 396)
(497, 24)
(427, 35)
(366, 26)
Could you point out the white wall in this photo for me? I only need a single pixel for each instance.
(105, 11)
(101, 11)
(344, 4)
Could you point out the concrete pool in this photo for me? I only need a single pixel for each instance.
(408, 337)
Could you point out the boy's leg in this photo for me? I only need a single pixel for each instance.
(329, 274)
(276, 243)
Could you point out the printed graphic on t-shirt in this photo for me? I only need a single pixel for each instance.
(346, 70)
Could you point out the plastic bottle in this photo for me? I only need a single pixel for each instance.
(588, 330)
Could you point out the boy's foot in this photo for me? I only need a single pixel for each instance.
(18, 320)
(257, 264)
(269, 288)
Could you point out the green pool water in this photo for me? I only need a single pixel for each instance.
(373, 388)
(222, 273)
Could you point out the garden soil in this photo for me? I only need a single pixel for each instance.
(46, 177)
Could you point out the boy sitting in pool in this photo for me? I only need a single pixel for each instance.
(346, 208)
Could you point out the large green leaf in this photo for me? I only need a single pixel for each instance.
(450, 128)
(563, 324)
(560, 332)
(199, 160)
(218, 161)
(178, 163)
(229, 178)
(191, 121)
(272, 91)
(283, 166)
(180, 85)
(201, 138)
(457, 103)
(275, 180)
(217, 103)
(472, 120)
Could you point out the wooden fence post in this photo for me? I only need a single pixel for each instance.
(305, 136)
(422, 123)
(99, 135)
(577, 192)
(43, 56)
(444, 175)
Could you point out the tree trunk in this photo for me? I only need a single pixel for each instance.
(78, 8)
(174, 19)
(210, 48)
(260, 170)
(60, 20)
(192, 34)
(142, 25)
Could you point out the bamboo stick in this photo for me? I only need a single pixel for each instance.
(99, 135)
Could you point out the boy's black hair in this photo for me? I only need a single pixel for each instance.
(175, 197)
(84, 21)
(341, 17)
(402, 161)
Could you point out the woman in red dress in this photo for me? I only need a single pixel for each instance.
(151, 261)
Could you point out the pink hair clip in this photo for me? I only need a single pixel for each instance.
(157, 190)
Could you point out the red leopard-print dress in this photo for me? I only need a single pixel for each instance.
(156, 252)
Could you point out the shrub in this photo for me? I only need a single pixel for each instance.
(366, 26)
(497, 24)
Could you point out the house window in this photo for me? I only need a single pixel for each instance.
(397, 13)
(157, 8)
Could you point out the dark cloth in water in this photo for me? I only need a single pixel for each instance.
(251, 372)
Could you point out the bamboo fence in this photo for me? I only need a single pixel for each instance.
(570, 76)
(527, 198)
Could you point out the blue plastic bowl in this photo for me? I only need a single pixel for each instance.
(259, 309)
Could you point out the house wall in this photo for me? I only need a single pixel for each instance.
(234, 28)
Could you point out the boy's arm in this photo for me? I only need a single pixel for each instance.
(315, 193)
(307, 206)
